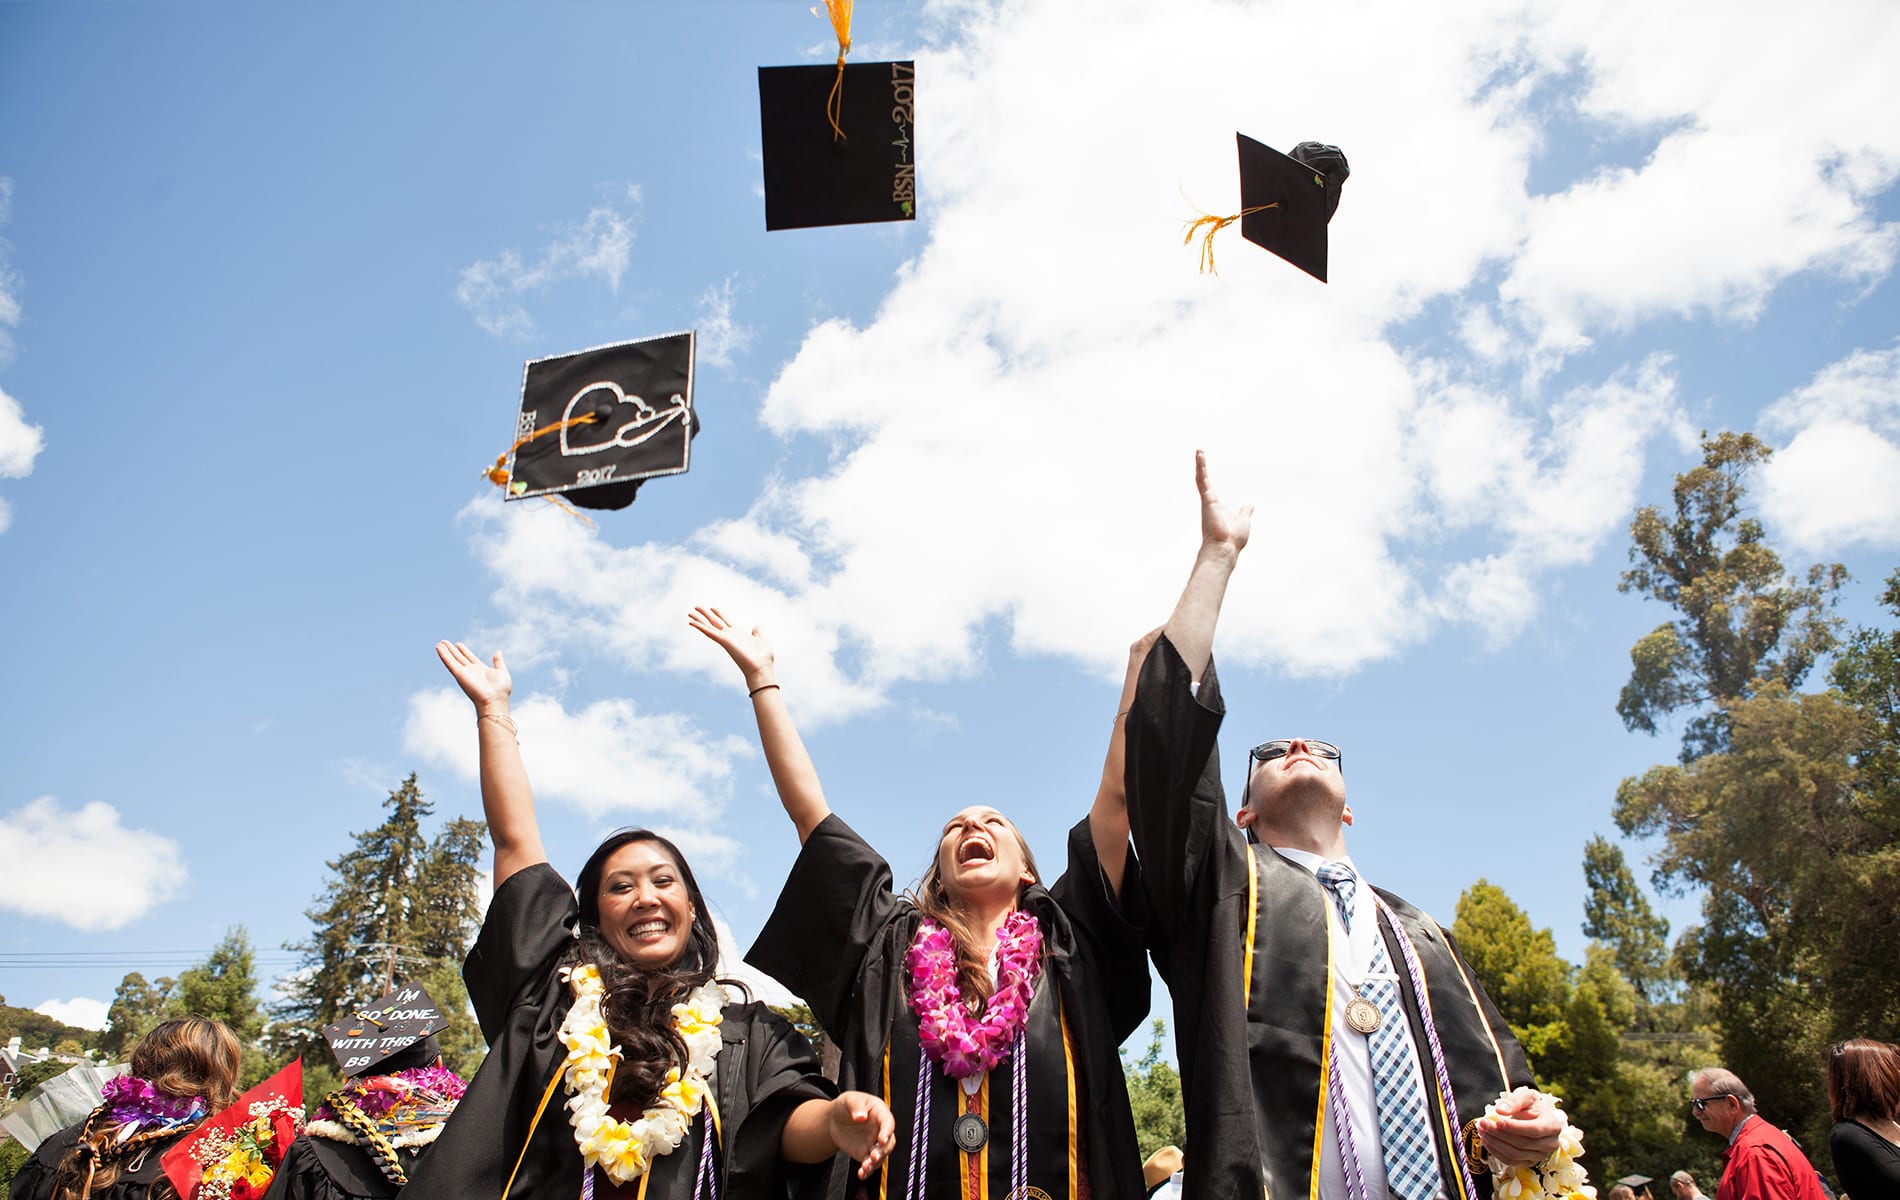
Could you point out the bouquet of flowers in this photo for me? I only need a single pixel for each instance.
(234, 1154)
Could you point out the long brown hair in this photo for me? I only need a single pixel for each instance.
(182, 1058)
(932, 898)
(1863, 1080)
(638, 1004)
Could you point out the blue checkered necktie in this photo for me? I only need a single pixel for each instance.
(1411, 1162)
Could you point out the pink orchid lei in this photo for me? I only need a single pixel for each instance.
(968, 1045)
(132, 1100)
(417, 1096)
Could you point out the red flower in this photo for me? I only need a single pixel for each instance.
(241, 1189)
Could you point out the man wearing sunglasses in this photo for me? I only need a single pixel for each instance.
(1760, 1162)
(1309, 1066)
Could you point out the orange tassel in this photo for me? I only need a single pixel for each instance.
(840, 11)
(1216, 224)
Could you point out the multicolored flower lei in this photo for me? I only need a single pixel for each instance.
(965, 1044)
(238, 1163)
(1559, 1177)
(407, 1107)
(626, 1149)
(134, 1101)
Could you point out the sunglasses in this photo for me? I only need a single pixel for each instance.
(1279, 748)
(1698, 1105)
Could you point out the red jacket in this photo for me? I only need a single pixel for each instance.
(1764, 1164)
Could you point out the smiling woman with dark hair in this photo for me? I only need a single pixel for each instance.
(940, 999)
(609, 999)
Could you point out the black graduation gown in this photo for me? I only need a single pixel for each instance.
(764, 1070)
(317, 1168)
(139, 1171)
(1253, 1052)
(838, 937)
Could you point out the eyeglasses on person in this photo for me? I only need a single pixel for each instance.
(1698, 1104)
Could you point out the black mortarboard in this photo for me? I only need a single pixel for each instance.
(1636, 1181)
(814, 176)
(596, 424)
(386, 1027)
(1295, 196)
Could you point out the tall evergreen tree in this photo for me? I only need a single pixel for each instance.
(224, 988)
(398, 905)
(136, 1007)
(1739, 619)
(1618, 914)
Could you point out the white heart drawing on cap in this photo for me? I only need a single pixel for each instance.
(649, 422)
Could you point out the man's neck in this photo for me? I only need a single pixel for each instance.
(1329, 842)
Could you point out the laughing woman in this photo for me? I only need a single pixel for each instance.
(984, 1008)
(607, 999)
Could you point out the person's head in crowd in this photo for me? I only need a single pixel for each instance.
(1719, 1100)
(1683, 1185)
(646, 927)
(1622, 1192)
(1295, 793)
(184, 1059)
(1863, 1081)
(982, 865)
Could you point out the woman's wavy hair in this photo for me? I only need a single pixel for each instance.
(1863, 1080)
(186, 1057)
(638, 1004)
(932, 898)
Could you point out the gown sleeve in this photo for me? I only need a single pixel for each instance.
(1175, 802)
(782, 1072)
(834, 907)
(1108, 930)
(530, 922)
(301, 1177)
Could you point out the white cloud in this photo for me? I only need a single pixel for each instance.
(1832, 484)
(720, 335)
(1012, 429)
(56, 858)
(20, 443)
(606, 758)
(1756, 175)
(82, 1012)
(600, 246)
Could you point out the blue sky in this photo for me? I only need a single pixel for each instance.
(269, 276)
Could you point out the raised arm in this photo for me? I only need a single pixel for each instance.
(792, 770)
(1108, 817)
(507, 800)
(1224, 533)
(856, 1124)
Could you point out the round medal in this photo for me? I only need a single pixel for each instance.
(970, 1133)
(1363, 1015)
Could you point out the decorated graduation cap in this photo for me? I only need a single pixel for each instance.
(1286, 202)
(384, 1028)
(838, 141)
(597, 424)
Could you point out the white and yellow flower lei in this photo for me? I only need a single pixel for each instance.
(626, 1149)
(1559, 1177)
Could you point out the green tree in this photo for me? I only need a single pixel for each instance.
(13, 1156)
(1520, 970)
(1739, 620)
(1154, 1095)
(136, 1007)
(1617, 913)
(224, 988)
(398, 905)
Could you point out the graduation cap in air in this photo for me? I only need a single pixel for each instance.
(839, 141)
(595, 425)
(383, 1028)
(1286, 201)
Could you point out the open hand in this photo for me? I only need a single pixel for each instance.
(485, 686)
(1221, 525)
(862, 1126)
(751, 652)
(1525, 1130)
